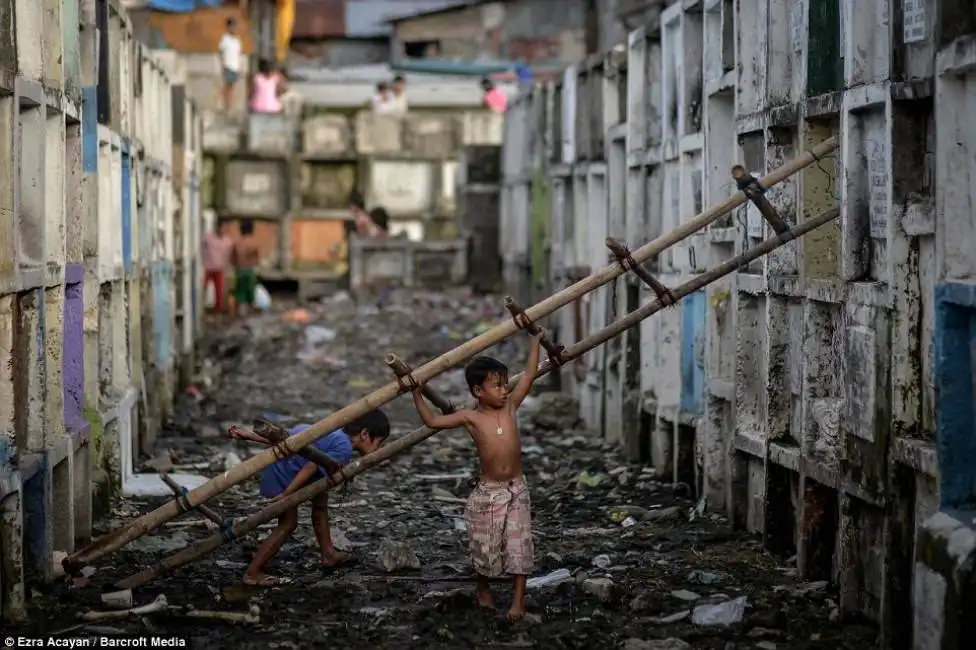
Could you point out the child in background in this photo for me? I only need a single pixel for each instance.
(494, 98)
(381, 222)
(267, 86)
(399, 95)
(230, 59)
(245, 257)
(216, 258)
(498, 511)
(292, 473)
(382, 101)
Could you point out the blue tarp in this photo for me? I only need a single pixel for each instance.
(182, 6)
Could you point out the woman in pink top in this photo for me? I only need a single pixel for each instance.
(267, 86)
(495, 99)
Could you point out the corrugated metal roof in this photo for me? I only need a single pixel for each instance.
(406, 14)
(320, 19)
(370, 18)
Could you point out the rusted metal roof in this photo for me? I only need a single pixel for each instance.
(356, 18)
(320, 19)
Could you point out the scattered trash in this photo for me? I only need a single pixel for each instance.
(262, 299)
(698, 510)
(610, 549)
(656, 644)
(299, 316)
(557, 577)
(684, 594)
(158, 544)
(585, 479)
(699, 577)
(158, 605)
(118, 599)
(252, 616)
(394, 556)
(602, 588)
(602, 561)
(727, 612)
(673, 618)
(318, 335)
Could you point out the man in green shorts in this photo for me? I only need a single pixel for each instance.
(245, 258)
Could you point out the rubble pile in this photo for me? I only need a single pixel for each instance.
(623, 560)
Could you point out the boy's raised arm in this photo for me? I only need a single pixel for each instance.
(524, 384)
(433, 420)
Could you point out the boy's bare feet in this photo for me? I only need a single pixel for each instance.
(264, 580)
(338, 559)
(516, 611)
(484, 597)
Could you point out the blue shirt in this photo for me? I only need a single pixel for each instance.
(278, 476)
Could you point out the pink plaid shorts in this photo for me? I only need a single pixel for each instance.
(500, 528)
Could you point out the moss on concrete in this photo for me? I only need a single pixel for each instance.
(94, 419)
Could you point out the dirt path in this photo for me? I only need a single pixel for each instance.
(633, 583)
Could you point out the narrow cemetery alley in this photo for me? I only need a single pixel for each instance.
(623, 560)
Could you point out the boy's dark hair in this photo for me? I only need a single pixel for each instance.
(381, 86)
(399, 79)
(376, 424)
(487, 84)
(247, 227)
(356, 200)
(481, 368)
(380, 217)
(265, 66)
(231, 22)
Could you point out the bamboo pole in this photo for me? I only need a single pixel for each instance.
(401, 370)
(517, 311)
(152, 520)
(179, 491)
(411, 439)
(274, 434)
(756, 193)
(622, 253)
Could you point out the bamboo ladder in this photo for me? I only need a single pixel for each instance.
(750, 189)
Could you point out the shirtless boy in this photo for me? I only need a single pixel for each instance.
(498, 513)
(245, 257)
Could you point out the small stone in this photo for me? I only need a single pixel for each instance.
(602, 588)
(684, 594)
(705, 578)
(664, 513)
(393, 556)
(766, 645)
(673, 618)
(759, 632)
(656, 644)
(601, 561)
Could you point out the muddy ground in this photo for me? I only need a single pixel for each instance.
(643, 577)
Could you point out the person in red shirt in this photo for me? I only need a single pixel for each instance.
(216, 258)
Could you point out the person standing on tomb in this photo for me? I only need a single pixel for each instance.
(230, 58)
(267, 87)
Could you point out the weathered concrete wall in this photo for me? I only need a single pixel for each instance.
(79, 222)
(821, 396)
(295, 178)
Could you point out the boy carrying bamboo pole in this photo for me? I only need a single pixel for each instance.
(293, 472)
(498, 510)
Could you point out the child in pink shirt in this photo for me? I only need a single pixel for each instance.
(495, 99)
